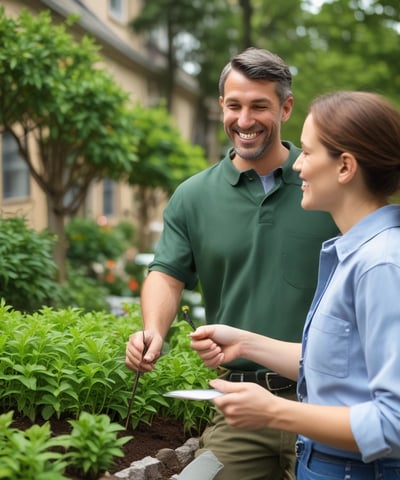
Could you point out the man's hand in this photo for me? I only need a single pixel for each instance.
(135, 348)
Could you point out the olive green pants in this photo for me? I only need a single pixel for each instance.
(263, 454)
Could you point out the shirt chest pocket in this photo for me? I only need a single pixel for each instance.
(328, 345)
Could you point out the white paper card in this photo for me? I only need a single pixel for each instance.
(199, 394)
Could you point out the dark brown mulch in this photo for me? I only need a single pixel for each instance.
(147, 439)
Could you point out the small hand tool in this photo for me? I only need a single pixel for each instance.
(135, 385)
(186, 316)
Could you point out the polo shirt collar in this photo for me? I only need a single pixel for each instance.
(233, 175)
(367, 228)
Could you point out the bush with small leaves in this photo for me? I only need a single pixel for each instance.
(27, 269)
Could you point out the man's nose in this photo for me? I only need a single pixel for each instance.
(245, 119)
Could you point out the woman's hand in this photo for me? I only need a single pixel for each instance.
(216, 344)
(244, 404)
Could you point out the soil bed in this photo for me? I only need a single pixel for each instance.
(147, 439)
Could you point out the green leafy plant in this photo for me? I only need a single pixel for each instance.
(27, 269)
(29, 454)
(62, 362)
(93, 445)
(179, 368)
(34, 454)
(65, 362)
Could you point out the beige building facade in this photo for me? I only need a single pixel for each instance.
(137, 69)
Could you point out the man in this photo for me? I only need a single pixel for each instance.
(239, 229)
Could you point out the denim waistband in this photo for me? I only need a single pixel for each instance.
(306, 451)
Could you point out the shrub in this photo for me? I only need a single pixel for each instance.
(27, 269)
(83, 292)
(102, 253)
(89, 242)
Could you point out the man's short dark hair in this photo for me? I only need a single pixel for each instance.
(259, 64)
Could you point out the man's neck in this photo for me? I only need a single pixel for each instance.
(271, 160)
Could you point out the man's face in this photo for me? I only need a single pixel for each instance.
(252, 115)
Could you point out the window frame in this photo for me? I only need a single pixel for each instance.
(16, 177)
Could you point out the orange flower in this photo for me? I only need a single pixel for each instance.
(110, 264)
(133, 285)
(109, 278)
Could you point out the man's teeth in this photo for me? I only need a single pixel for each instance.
(305, 184)
(247, 136)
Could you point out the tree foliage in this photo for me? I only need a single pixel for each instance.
(73, 124)
(165, 159)
(69, 118)
(351, 46)
(201, 32)
(347, 44)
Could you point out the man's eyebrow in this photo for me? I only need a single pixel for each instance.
(265, 101)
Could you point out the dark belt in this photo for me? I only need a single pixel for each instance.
(272, 381)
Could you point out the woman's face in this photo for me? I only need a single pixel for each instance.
(318, 170)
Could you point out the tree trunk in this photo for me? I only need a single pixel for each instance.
(171, 67)
(246, 23)
(57, 227)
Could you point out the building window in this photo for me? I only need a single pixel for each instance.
(108, 197)
(16, 178)
(116, 9)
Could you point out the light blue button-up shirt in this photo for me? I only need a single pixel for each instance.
(351, 340)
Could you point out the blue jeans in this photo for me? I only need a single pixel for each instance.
(312, 465)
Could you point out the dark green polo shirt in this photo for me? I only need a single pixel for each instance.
(255, 254)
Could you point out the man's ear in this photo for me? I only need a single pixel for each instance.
(287, 108)
(347, 167)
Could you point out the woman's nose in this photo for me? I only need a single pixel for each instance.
(297, 163)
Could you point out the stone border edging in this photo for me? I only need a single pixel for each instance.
(150, 468)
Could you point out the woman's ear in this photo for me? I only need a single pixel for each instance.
(347, 167)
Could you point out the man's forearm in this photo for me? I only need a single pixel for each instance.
(160, 299)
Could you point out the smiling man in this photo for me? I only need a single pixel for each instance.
(238, 228)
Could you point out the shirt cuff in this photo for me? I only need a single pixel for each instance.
(367, 430)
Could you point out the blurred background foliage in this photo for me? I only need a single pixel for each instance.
(330, 45)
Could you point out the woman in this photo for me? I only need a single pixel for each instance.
(348, 414)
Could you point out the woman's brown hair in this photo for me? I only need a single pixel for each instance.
(366, 125)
